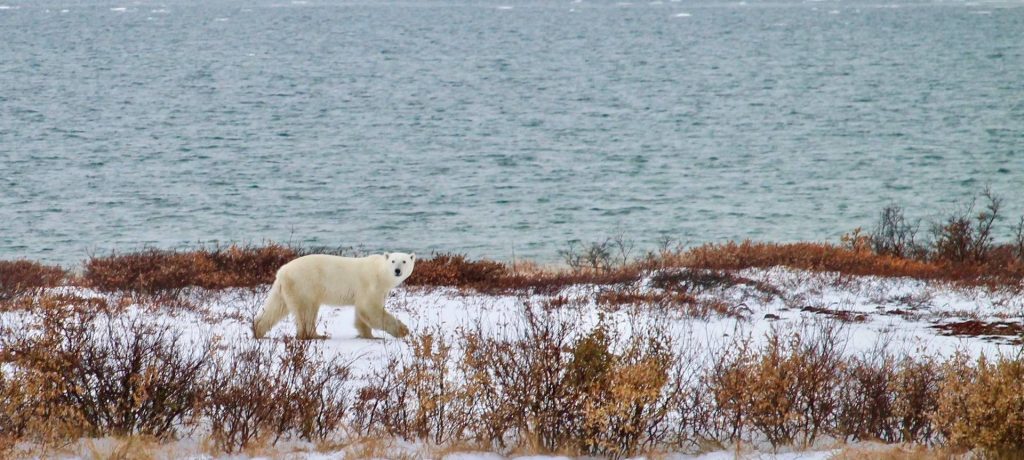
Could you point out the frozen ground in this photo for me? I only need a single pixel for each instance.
(895, 312)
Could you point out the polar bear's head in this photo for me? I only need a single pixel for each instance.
(399, 265)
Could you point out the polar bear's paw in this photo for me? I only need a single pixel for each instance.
(400, 330)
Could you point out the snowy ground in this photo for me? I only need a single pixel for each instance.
(895, 312)
(901, 312)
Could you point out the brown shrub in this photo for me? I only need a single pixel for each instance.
(18, 277)
(894, 236)
(805, 256)
(416, 397)
(980, 406)
(158, 271)
(558, 387)
(640, 400)
(496, 278)
(614, 298)
(866, 399)
(85, 372)
(700, 281)
(785, 391)
(552, 282)
(454, 270)
(519, 383)
(545, 385)
(261, 392)
(916, 391)
(965, 237)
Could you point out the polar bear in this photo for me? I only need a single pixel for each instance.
(305, 283)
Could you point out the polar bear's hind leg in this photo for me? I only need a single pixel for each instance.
(363, 326)
(304, 310)
(273, 310)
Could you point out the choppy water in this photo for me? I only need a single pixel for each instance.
(494, 128)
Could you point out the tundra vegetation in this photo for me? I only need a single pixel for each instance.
(93, 355)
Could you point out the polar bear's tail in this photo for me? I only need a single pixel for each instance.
(273, 310)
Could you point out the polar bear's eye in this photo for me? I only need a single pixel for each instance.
(403, 262)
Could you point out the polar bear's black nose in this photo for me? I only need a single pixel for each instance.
(398, 272)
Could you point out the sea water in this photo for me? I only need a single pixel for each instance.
(498, 128)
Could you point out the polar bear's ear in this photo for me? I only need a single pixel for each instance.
(412, 256)
(386, 255)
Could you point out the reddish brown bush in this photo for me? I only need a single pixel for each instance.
(91, 373)
(889, 398)
(454, 270)
(614, 298)
(416, 397)
(261, 392)
(784, 391)
(806, 256)
(156, 271)
(1001, 269)
(980, 405)
(496, 278)
(556, 386)
(18, 277)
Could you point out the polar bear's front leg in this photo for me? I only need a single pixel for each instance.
(377, 318)
(395, 327)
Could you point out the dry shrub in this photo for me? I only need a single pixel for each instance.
(1001, 270)
(261, 392)
(555, 386)
(785, 391)
(157, 271)
(496, 278)
(804, 256)
(700, 281)
(915, 396)
(612, 299)
(889, 398)
(602, 256)
(417, 396)
(680, 303)
(552, 282)
(18, 277)
(454, 270)
(167, 274)
(866, 399)
(639, 401)
(546, 384)
(965, 237)
(83, 372)
(980, 406)
(894, 236)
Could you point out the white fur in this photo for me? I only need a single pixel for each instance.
(304, 284)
